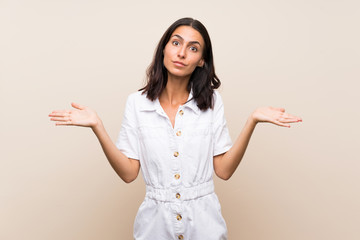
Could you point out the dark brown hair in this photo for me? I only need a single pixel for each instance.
(203, 80)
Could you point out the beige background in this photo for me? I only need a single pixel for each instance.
(297, 183)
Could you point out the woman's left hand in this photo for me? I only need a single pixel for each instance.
(274, 115)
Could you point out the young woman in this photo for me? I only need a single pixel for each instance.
(175, 131)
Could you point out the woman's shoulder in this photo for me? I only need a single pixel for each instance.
(137, 96)
(139, 100)
(216, 93)
(217, 98)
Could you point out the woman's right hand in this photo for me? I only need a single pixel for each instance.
(80, 116)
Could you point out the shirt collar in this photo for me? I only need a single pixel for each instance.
(147, 104)
(192, 103)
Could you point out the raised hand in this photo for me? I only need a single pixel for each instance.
(80, 116)
(274, 115)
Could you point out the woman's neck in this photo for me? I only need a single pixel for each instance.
(175, 92)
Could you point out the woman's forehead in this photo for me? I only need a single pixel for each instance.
(189, 34)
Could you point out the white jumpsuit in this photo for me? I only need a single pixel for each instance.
(177, 166)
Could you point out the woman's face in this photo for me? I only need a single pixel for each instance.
(183, 52)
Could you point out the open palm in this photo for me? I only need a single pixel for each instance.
(274, 115)
(80, 116)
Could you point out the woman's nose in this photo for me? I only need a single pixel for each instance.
(182, 52)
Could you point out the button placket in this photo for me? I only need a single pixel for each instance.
(177, 174)
(178, 141)
(177, 136)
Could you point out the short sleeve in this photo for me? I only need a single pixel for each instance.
(222, 140)
(128, 140)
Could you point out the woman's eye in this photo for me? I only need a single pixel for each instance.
(193, 49)
(176, 43)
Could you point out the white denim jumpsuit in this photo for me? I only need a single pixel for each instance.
(177, 166)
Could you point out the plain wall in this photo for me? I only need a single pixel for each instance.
(298, 183)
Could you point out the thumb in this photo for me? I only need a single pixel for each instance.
(77, 106)
(280, 109)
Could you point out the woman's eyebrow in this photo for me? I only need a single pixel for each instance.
(192, 42)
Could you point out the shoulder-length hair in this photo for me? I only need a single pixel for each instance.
(203, 80)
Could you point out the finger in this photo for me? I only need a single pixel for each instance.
(67, 123)
(291, 117)
(280, 109)
(278, 121)
(77, 106)
(287, 115)
(281, 124)
(288, 120)
(60, 119)
(59, 113)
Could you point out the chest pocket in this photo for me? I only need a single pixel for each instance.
(198, 135)
(199, 129)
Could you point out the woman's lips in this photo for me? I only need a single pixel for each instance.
(179, 64)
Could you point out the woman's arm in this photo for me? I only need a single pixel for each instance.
(225, 164)
(125, 167)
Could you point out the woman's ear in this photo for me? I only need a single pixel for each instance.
(201, 63)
